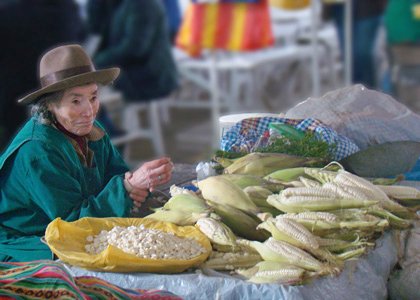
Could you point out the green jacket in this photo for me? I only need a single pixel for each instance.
(42, 178)
(400, 24)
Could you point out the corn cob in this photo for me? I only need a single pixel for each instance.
(405, 194)
(296, 184)
(311, 215)
(278, 251)
(218, 233)
(187, 203)
(373, 192)
(258, 195)
(345, 191)
(306, 191)
(289, 231)
(274, 272)
(299, 203)
(309, 182)
(241, 223)
(178, 217)
(323, 225)
(262, 164)
(292, 232)
(220, 190)
(230, 261)
(323, 176)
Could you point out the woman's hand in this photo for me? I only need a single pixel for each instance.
(151, 174)
(137, 195)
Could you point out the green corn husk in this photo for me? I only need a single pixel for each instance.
(177, 217)
(286, 175)
(224, 162)
(395, 221)
(186, 202)
(220, 190)
(271, 210)
(241, 223)
(338, 246)
(352, 254)
(258, 195)
(246, 180)
(388, 181)
(262, 164)
(224, 261)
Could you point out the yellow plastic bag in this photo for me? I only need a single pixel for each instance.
(290, 4)
(68, 239)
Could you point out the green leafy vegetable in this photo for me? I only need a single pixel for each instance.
(307, 146)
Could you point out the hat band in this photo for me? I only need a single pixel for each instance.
(63, 74)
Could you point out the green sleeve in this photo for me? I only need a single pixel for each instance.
(58, 187)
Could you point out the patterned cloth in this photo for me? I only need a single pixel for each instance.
(45, 279)
(244, 134)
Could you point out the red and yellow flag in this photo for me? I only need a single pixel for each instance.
(228, 26)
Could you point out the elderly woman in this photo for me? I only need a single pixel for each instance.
(62, 163)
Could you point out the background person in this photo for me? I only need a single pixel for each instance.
(135, 37)
(366, 19)
(28, 28)
(61, 163)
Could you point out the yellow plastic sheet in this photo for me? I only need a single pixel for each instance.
(68, 239)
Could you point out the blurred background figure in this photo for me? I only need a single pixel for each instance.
(402, 25)
(134, 36)
(366, 18)
(28, 28)
(173, 13)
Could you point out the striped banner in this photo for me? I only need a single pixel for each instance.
(228, 26)
(221, 1)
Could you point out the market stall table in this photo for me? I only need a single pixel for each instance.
(364, 278)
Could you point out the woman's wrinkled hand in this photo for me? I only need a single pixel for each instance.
(137, 195)
(152, 174)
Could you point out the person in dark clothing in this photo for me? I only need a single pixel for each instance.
(173, 14)
(367, 17)
(135, 37)
(27, 29)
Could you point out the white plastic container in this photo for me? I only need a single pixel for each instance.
(227, 121)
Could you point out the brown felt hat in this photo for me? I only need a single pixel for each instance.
(66, 67)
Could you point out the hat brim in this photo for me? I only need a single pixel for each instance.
(105, 76)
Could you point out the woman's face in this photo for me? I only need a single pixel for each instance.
(77, 109)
